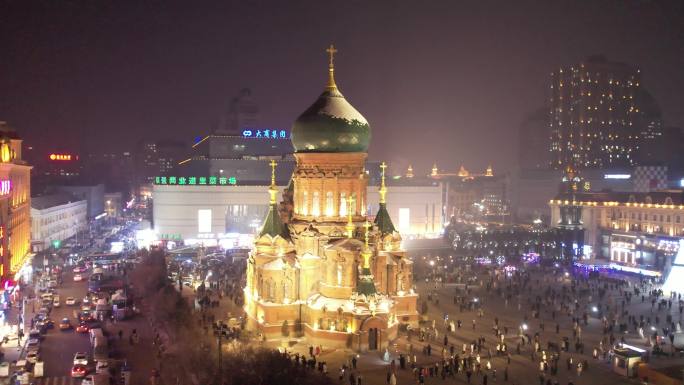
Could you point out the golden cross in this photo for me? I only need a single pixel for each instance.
(331, 52)
(273, 167)
(383, 166)
(367, 226)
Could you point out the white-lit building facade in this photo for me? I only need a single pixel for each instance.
(230, 214)
(55, 218)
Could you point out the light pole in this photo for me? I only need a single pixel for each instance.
(218, 332)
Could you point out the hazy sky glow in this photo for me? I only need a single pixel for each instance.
(449, 81)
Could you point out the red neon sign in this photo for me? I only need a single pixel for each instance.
(60, 157)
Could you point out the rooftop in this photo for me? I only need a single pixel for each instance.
(46, 201)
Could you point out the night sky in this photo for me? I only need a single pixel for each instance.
(445, 81)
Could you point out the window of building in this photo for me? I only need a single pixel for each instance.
(343, 204)
(305, 203)
(329, 204)
(316, 204)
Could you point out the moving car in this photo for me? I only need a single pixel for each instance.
(56, 301)
(84, 316)
(80, 269)
(82, 328)
(78, 278)
(81, 358)
(79, 371)
(97, 379)
(65, 324)
(70, 301)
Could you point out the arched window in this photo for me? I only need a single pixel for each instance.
(268, 290)
(287, 290)
(339, 274)
(329, 209)
(305, 203)
(343, 204)
(316, 205)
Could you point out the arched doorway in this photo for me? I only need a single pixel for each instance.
(373, 339)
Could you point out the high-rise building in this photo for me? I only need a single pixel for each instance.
(15, 208)
(600, 115)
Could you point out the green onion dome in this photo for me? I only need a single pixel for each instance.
(331, 124)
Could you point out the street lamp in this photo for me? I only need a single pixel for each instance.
(218, 332)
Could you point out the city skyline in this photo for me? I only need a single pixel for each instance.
(468, 74)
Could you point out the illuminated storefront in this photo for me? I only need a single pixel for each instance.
(630, 229)
(15, 199)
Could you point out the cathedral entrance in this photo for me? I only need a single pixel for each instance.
(373, 339)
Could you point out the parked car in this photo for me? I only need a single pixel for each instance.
(35, 333)
(32, 356)
(33, 345)
(102, 367)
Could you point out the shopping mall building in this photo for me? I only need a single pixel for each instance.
(217, 195)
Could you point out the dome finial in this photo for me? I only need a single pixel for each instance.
(273, 189)
(383, 188)
(331, 67)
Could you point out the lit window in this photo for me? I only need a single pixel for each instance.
(329, 204)
(343, 204)
(305, 203)
(316, 205)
